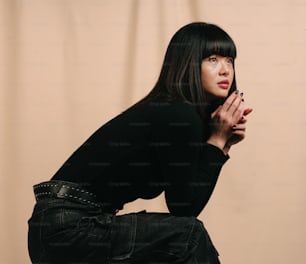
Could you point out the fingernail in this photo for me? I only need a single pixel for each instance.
(236, 92)
(242, 100)
(241, 94)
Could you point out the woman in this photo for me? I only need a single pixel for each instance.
(175, 140)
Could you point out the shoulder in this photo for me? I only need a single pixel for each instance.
(162, 116)
(175, 119)
(174, 113)
(163, 111)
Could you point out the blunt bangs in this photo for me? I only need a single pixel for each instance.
(218, 42)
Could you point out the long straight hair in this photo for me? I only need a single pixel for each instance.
(180, 76)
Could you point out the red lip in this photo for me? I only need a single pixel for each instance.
(224, 82)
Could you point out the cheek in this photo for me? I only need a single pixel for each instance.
(207, 74)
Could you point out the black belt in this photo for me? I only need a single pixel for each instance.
(70, 191)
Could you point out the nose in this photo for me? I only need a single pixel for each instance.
(225, 68)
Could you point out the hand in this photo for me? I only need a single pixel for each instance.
(239, 130)
(223, 121)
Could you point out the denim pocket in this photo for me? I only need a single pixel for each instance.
(123, 237)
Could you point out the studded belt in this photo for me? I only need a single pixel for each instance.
(65, 190)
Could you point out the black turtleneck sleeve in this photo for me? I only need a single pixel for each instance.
(189, 165)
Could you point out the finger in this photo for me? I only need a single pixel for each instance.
(247, 111)
(236, 109)
(229, 101)
(239, 133)
(236, 105)
(241, 127)
(242, 120)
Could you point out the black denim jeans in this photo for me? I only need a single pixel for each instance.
(61, 231)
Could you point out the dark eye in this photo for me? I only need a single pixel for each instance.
(230, 60)
(212, 59)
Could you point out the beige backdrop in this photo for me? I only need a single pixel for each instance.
(67, 66)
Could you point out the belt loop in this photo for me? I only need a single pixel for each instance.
(61, 191)
(57, 186)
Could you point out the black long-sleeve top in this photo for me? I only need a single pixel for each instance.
(148, 149)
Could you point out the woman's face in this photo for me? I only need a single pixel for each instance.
(217, 74)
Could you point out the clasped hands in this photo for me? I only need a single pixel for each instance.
(228, 122)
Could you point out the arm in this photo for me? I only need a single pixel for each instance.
(190, 167)
(189, 197)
